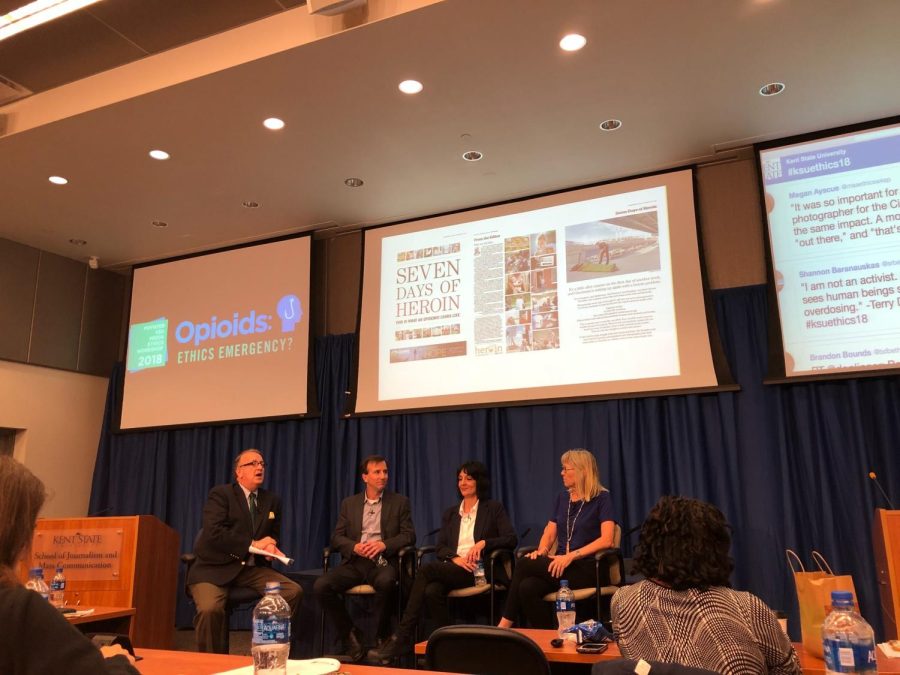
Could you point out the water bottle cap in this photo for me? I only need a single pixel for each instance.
(34, 570)
(842, 598)
(272, 586)
(59, 568)
(564, 582)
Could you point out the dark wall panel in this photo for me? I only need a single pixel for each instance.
(57, 312)
(18, 275)
(104, 298)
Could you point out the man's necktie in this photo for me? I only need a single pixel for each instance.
(252, 499)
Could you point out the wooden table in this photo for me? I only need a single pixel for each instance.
(164, 662)
(105, 620)
(810, 664)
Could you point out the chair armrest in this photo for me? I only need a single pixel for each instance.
(326, 559)
(610, 557)
(408, 554)
(522, 551)
(503, 555)
(422, 551)
(188, 559)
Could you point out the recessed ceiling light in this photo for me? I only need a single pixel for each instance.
(273, 123)
(58, 180)
(77, 242)
(610, 125)
(159, 224)
(353, 182)
(410, 86)
(771, 89)
(159, 154)
(572, 42)
(472, 155)
(250, 204)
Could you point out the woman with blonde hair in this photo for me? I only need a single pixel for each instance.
(582, 524)
(36, 639)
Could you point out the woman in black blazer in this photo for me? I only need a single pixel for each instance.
(470, 530)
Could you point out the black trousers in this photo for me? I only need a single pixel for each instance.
(329, 587)
(532, 581)
(434, 580)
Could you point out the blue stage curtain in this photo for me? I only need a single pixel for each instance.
(787, 464)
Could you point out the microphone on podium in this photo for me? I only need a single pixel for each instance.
(881, 489)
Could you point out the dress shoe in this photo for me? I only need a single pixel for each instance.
(355, 649)
(395, 646)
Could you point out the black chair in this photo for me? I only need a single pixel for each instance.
(628, 666)
(486, 650)
(497, 557)
(239, 597)
(608, 560)
(407, 572)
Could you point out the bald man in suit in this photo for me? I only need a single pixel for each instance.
(371, 528)
(222, 556)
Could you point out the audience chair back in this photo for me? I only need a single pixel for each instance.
(486, 650)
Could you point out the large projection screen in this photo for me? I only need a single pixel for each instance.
(833, 210)
(219, 337)
(587, 293)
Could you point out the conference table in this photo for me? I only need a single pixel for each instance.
(810, 664)
(166, 662)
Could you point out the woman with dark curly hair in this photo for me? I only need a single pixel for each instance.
(685, 611)
(470, 530)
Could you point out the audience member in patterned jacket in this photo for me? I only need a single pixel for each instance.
(685, 611)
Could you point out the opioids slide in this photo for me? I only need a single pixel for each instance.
(833, 208)
(221, 336)
(585, 293)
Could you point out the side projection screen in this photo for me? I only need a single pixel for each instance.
(217, 337)
(585, 293)
(833, 208)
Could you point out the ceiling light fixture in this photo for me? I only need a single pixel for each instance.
(160, 224)
(472, 155)
(273, 123)
(353, 182)
(611, 125)
(410, 86)
(771, 89)
(159, 154)
(58, 180)
(35, 13)
(250, 204)
(572, 42)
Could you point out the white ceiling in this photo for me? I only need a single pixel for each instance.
(681, 75)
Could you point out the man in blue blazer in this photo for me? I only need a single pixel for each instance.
(371, 528)
(235, 517)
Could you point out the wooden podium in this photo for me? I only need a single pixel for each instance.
(123, 561)
(886, 542)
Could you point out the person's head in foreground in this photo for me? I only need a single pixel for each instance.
(21, 497)
(685, 543)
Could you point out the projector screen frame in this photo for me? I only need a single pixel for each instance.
(312, 401)
(775, 371)
(719, 360)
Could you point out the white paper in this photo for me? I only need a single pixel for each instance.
(284, 560)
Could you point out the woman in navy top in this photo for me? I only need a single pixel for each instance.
(582, 524)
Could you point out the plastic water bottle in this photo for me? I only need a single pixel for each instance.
(36, 582)
(847, 640)
(480, 579)
(58, 589)
(271, 640)
(565, 609)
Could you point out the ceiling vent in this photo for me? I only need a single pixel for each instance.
(332, 7)
(11, 91)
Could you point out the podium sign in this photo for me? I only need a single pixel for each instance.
(85, 554)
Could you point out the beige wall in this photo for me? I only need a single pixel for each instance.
(61, 413)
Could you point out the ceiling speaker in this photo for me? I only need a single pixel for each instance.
(332, 7)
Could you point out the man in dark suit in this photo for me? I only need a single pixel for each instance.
(371, 528)
(236, 517)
